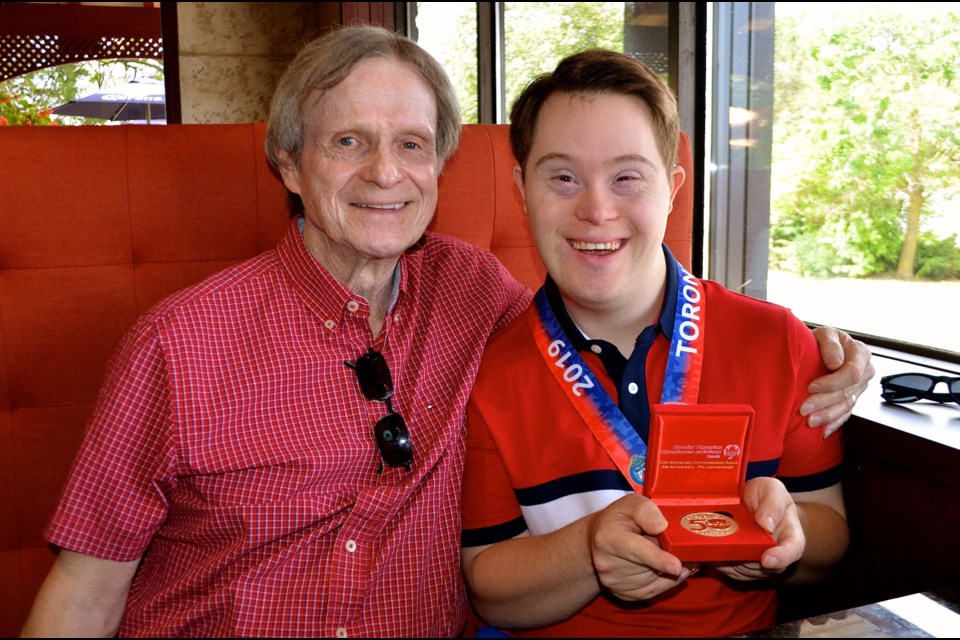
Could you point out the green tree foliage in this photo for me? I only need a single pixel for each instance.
(539, 34)
(448, 30)
(868, 128)
(17, 110)
(29, 99)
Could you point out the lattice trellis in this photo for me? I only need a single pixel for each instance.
(21, 54)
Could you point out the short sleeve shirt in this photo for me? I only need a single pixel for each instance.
(232, 450)
(533, 464)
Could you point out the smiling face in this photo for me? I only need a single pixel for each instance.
(369, 167)
(598, 196)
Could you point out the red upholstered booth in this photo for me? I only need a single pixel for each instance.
(98, 223)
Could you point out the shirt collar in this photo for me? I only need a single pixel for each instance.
(668, 310)
(321, 292)
(664, 323)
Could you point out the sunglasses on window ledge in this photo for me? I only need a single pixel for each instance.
(911, 387)
(393, 438)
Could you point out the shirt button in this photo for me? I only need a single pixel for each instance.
(342, 632)
(596, 349)
(352, 306)
(351, 546)
(329, 324)
(633, 388)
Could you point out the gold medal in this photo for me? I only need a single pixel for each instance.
(707, 523)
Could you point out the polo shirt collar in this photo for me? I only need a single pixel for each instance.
(664, 323)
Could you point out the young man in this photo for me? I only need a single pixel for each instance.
(556, 541)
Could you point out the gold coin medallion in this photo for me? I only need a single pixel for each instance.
(707, 523)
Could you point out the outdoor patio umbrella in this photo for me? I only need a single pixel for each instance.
(137, 100)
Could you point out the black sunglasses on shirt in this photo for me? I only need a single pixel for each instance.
(393, 438)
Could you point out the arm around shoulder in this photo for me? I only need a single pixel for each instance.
(833, 396)
(82, 596)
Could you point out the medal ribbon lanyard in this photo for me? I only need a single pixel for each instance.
(681, 382)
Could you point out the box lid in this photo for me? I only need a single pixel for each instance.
(696, 470)
(697, 454)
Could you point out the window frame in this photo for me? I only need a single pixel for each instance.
(739, 186)
(732, 203)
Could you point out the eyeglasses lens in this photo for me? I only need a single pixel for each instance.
(906, 388)
(374, 376)
(393, 439)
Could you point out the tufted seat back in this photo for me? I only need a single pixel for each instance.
(98, 223)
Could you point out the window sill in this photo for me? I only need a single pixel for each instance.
(901, 486)
(939, 423)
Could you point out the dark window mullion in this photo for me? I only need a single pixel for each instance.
(490, 66)
(740, 185)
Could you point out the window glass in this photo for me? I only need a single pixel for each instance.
(833, 138)
(97, 92)
(539, 34)
(536, 36)
(865, 168)
(448, 30)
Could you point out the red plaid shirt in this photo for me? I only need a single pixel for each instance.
(232, 450)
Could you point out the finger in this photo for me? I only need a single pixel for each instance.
(832, 428)
(831, 349)
(868, 372)
(791, 542)
(769, 500)
(831, 409)
(656, 585)
(788, 550)
(649, 518)
(849, 375)
(639, 579)
(741, 572)
(857, 368)
(651, 556)
(828, 406)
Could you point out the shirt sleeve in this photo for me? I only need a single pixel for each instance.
(114, 497)
(809, 462)
(490, 511)
(515, 296)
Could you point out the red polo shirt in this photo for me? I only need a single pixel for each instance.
(534, 465)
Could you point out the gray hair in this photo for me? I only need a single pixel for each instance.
(328, 60)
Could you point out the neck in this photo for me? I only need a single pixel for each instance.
(619, 323)
(377, 294)
(369, 278)
(378, 311)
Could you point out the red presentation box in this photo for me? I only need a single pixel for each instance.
(695, 472)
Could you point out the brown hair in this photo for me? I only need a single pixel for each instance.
(592, 72)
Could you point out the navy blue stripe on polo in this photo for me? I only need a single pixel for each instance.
(599, 480)
(795, 484)
(763, 468)
(491, 535)
(813, 482)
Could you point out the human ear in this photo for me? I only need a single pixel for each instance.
(677, 175)
(518, 178)
(289, 171)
